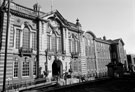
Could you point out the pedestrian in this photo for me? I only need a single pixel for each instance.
(65, 77)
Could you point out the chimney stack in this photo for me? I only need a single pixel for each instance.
(78, 24)
(36, 7)
(104, 38)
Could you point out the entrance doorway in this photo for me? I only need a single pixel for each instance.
(57, 68)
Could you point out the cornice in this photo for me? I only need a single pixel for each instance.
(24, 15)
(102, 41)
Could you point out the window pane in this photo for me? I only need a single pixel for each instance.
(48, 42)
(53, 43)
(12, 34)
(34, 41)
(34, 68)
(17, 38)
(16, 69)
(59, 44)
(69, 45)
(73, 45)
(25, 71)
(26, 38)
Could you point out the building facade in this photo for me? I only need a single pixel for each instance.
(22, 44)
(103, 55)
(47, 45)
(131, 62)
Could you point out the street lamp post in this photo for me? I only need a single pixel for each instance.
(6, 46)
(37, 8)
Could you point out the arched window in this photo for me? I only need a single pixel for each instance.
(26, 38)
(54, 36)
(26, 67)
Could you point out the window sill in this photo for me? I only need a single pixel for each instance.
(24, 77)
(15, 78)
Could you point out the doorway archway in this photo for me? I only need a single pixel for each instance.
(57, 68)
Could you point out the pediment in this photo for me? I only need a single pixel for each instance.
(56, 16)
(119, 41)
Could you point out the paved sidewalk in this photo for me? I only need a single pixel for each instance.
(61, 82)
(33, 86)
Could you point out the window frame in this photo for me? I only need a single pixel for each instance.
(34, 67)
(21, 36)
(15, 29)
(28, 61)
(55, 41)
(15, 60)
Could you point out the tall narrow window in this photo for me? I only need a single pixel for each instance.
(75, 66)
(12, 34)
(25, 71)
(59, 44)
(18, 38)
(87, 47)
(15, 68)
(55, 48)
(34, 68)
(70, 45)
(53, 43)
(48, 42)
(26, 38)
(78, 44)
(34, 41)
(73, 45)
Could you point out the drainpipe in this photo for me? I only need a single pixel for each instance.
(38, 44)
(96, 58)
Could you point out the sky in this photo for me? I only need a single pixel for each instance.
(111, 18)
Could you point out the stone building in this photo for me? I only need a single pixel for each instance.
(46, 44)
(118, 57)
(38, 43)
(131, 62)
(61, 43)
(103, 55)
(22, 53)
